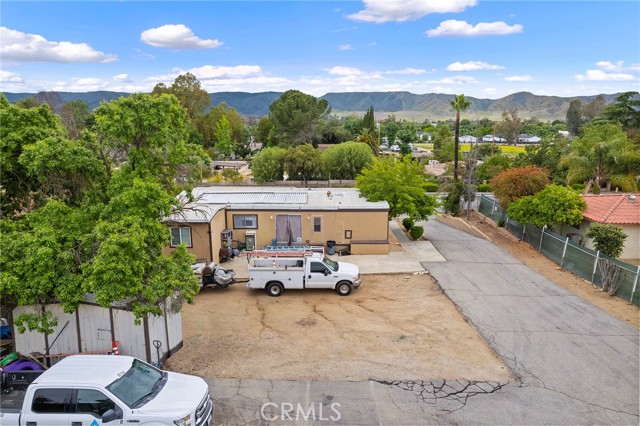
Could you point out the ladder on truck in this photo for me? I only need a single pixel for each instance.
(285, 251)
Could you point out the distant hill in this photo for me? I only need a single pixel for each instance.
(432, 106)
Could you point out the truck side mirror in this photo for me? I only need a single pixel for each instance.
(111, 415)
(327, 272)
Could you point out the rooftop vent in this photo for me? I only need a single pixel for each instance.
(632, 198)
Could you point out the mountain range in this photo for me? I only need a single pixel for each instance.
(430, 106)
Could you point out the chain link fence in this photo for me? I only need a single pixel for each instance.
(571, 256)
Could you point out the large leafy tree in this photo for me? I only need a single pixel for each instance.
(75, 117)
(189, 92)
(459, 104)
(369, 121)
(295, 117)
(510, 126)
(224, 143)
(601, 152)
(402, 183)
(492, 166)
(575, 118)
(268, 165)
(346, 160)
(304, 162)
(551, 206)
(547, 154)
(625, 110)
(511, 184)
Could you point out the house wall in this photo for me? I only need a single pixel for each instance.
(631, 244)
(365, 225)
(218, 224)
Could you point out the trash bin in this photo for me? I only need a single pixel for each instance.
(331, 247)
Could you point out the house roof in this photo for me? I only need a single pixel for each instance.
(618, 209)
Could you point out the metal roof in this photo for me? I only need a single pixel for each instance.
(254, 198)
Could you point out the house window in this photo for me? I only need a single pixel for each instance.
(317, 224)
(347, 234)
(180, 235)
(245, 221)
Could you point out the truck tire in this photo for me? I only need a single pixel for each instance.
(274, 289)
(343, 288)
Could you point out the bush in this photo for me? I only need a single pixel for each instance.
(408, 223)
(416, 232)
(431, 187)
(517, 182)
(484, 187)
(452, 202)
(578, 187)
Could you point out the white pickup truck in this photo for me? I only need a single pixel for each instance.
(275, 274)
(93, 390)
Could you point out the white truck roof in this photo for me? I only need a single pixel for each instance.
(87, 369)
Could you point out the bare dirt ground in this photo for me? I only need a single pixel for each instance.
(539, 263)
(394, 327)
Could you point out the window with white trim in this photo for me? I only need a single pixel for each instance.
(181, 235)
(245, 221)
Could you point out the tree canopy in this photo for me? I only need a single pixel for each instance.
(268, 164)
(295, 117)
(347, 159)
(511, 184)
(551, 206)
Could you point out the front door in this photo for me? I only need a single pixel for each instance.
(339, 232)
(316, 230)
(288, 229)
(317, 277)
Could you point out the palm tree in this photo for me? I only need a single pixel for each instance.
(458, 103)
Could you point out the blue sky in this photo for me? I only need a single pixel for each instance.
(485, 49)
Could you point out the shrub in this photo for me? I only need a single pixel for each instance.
(517, 182)
(484, 187)
(452, 202)
(408, 223)
(416, 232)
(431, 187)
(578, 187)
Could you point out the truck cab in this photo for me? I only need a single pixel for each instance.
(93, 390)
(275, 273)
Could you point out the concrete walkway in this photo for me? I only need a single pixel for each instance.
(575, 363)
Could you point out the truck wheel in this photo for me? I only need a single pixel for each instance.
(274, 289)
(344, 288)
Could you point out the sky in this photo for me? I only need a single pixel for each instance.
(484, 49)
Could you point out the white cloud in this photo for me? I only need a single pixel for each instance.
(176, 37)
(379, 11)
(454, 28)
(458, 79)
(208, 72)
(407, 71)
(490, 90)
(526, 77)
(122, 77)
(473, 66)
(137, 53)
(599, 75)
(18, 47)
(10, 77)
(345, 71)
(345, 47)
(616, 67)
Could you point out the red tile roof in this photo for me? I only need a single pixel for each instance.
(619, 209)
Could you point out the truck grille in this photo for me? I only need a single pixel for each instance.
(204, 412)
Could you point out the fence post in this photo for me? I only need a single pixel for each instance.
(493, 208)
(635, 284)
(595, 264)
(524, 230)
(564, 251)
(541, 238)
(506, 224)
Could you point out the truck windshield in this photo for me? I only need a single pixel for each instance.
(139, 384)
(331, 264)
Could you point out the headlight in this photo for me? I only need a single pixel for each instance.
(183, 421)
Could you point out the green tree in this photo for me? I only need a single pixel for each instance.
(224, 144)
(608, 239)
(268, 165)
(263, 128)
(401, 183)
(552, 206)
(575, 119)
(595, 108)
(295, 117)
(389, 129)
(331, 131)
(354, 126)
(510, 126)
(625, 110)
(370, 140)
(75, 116)
(189, 92)
(459, 104)
(304, 162)
(21, 128)
(442, 136)
(369, 121)
(27, 103)
(492, 166)
(346, 160)
(150, 133)
(547, 154)
(517, 182)
(231, 175)
(600, 153)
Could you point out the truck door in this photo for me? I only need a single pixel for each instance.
(319, 276)
(49, 407)
(88, 406)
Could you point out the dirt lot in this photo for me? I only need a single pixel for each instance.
(393, 327)
(539, 263)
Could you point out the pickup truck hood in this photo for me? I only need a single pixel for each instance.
(348, 269)
(179, 396)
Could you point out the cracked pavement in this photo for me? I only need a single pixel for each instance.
(574, 363)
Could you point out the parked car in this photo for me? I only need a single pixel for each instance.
(108, 389)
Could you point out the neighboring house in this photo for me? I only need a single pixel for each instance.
(564, 133)
(240, 166)
(281, 216)
(467, 139)
(619, 209)
(528, 139)
(493, 138)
